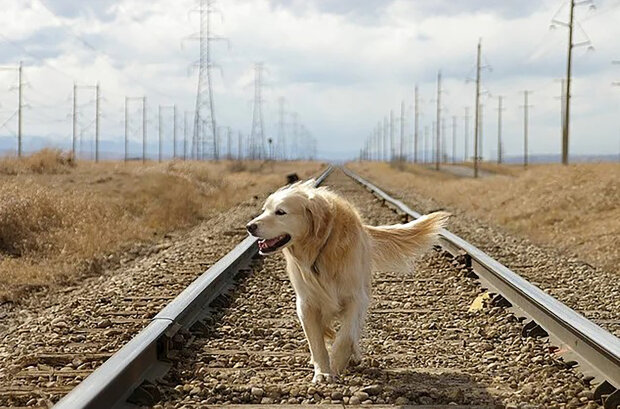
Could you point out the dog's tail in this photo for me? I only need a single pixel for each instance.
(393, 247)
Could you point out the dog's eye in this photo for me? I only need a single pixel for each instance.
(280, 212)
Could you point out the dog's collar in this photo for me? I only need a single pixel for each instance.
(314, 267)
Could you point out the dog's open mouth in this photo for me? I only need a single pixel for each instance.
(270, 245)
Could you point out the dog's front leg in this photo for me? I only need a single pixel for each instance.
(311, 322)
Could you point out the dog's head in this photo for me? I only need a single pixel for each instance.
(289, 216)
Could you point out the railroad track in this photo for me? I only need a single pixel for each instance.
(424, 344)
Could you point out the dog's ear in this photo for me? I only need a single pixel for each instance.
(320, 223)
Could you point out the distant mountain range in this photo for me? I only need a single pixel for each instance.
(115, 150)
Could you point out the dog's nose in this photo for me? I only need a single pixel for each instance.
(251, 227)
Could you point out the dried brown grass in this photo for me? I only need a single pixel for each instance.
(574, 208)
(59, 221)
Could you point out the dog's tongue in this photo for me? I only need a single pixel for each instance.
(263, 244)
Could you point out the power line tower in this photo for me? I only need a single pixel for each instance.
(571, 44)
(75, 113)
(128, 101)
(257, 136)
(204, 140)
(20, 103)
(281, 130)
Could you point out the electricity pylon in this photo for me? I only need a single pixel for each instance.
(204, 140)
(257, 136)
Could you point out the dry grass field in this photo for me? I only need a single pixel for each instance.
(60, 220)
(573, 208)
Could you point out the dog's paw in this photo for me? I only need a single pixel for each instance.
(324, 378)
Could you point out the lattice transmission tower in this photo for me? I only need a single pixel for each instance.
(257, 136)
(204, 139)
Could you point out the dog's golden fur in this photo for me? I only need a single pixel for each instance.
(330, 254)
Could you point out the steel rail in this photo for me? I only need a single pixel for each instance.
(144, 357)
(593, 347)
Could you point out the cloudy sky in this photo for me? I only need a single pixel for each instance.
(341, 65)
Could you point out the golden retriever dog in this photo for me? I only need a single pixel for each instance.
(329, 255)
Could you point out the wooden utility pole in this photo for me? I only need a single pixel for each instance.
(499, 130)
(438, 123)
(565, 131)
(416, 126)
(97, 122)
(477, 116)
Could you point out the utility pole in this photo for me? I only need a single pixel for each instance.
(281, 130)
(229, 143)
(160, 133)
(481, 134)
(466, 151)
(174, 131)
(239, 144)
(143, 129)
(477, 118)
(185, 132)
(499, 129)
(570, 25)
(20, 104)
(386, 141)
(416, 126)
(453, 138)
(565, 131)
(294, 136)
(525, 126)
(425, 143)
(433, 157)
(97, 123)
(438, 121)
(74, 120)
(392, 151)
(126, 129)
(444, 155)
(402, 132)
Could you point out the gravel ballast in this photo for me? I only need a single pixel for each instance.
(51, 341)
(422, 344)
